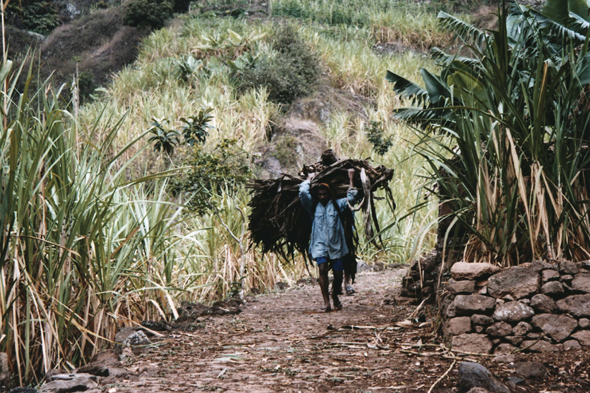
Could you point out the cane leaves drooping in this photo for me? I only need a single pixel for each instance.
(516, 112)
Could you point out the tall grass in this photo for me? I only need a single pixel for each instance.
(517, 112)
(83, 249)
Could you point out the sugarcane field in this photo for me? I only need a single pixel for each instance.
(295, 196)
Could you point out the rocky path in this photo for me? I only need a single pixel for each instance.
(280, 344)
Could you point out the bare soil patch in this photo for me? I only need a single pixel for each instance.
(280, 343)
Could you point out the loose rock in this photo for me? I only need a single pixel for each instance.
(549, 275)
(567, 278)
(583, 337)
(63, 383)
(470, 304)
(538, 265)
(499, 329)
(457, 287)
(522, 329)
(481, 320)
(530, 370)
(103, 364)
(460, 325)
(538, 346)
(472, 343)
(578, 305)
(584, 323)
(581, 282)
(518, 282)
(473, 375)
(472, 271)
(515, 340)
(571, 345)
(543, 303)
(553, 288)
(568, 267)
(513, 312)
(558, 327)
(504, 348)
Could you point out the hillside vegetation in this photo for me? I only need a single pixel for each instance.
(115, 217)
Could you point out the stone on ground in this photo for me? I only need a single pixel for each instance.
(473, 375)
(581, 282)
(529, 370)
(63, 383)
(543, 303)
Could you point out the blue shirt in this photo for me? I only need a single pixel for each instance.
(327, 234)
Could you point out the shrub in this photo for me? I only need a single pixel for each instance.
(224, 168)
(375, 134)
(148, 13)
(39, 16)
(86, 85)
(181, 6)
(291, 73)
(286, 150)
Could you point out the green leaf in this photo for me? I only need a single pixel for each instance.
(406, 88)
(466, 32)
(437, 91)
(583, 71)
(559, 10)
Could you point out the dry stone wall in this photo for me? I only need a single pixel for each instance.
(535, 307)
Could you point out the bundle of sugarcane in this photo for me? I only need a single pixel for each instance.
(278, 221)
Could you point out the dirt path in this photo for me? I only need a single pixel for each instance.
(278, 344)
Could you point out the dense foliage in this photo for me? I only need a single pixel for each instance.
(517, 115)
(151, 14)
(79, 239)
(39, 16)
(291, 73)
(223, 169)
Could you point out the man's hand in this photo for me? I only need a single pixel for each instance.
(310, 176)
(351, 177)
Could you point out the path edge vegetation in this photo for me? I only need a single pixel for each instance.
(504, 131)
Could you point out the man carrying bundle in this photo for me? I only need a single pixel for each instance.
(328, 242)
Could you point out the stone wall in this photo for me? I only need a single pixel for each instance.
(537, 307)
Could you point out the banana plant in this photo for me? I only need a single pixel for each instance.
(517, 113)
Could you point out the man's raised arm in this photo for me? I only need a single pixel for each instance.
(305, 195)
(352, 195)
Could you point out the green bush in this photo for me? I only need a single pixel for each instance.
(224, 168)
(291, 73)
(375, 135)
(39, 16)
(152, 14)
(86, 85)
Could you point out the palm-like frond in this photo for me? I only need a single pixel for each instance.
(469, 34)
(407, 89)
(577, 23)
